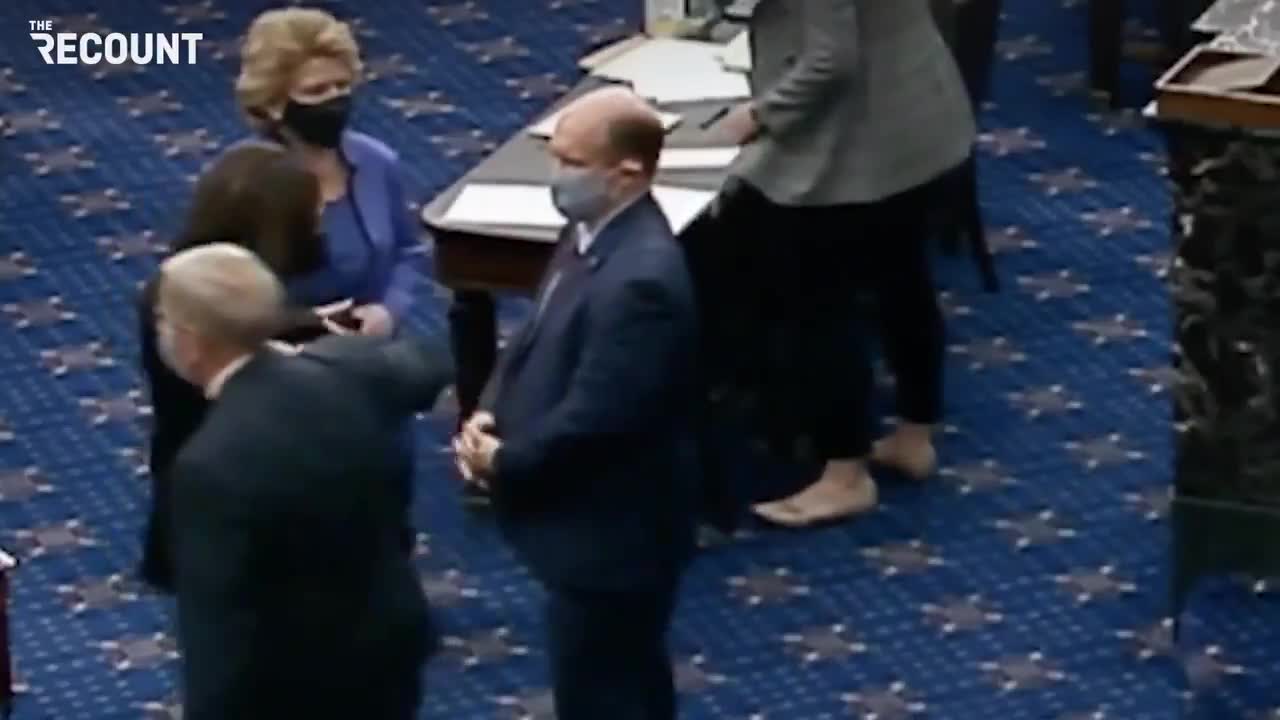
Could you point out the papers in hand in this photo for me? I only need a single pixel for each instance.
(545, 127)
(669, 70)
(7, 561)
(736, 56)
(531, 206)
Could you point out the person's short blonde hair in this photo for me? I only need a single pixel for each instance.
(279, 42)
(222, 292)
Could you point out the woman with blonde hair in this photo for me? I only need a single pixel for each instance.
(299, 67)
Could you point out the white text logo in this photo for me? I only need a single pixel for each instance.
(113, 48)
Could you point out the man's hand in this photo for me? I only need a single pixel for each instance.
(739, 126)
(475, 447)
(375, 320)
(476, 453)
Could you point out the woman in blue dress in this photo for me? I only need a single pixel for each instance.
(298, 69)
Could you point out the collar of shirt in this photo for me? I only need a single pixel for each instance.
(214, 388)
(587, 234)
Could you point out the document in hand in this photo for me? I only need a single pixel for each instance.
(545, 127)
(522, 205)
(670, 70)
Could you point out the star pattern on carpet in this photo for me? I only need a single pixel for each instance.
(767, 587)
(980, 477)
(823, 643)
(1089, 585)
(60, 160)
(75, 358)
(967, 614)
(1047, 401)
(894, 702)
(1034, 530)
(1053, 286)
(1022, 672)
(485, 647)
(22, 484)
(145, 243)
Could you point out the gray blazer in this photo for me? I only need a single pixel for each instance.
(858, 100)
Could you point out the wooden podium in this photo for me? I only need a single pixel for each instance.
(1220, 112)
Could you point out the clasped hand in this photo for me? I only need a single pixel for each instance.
(475, 447)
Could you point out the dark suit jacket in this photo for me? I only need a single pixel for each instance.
(295, 595)
(594, 486)
(178, 407)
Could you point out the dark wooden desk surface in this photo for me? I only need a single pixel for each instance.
(508, 258)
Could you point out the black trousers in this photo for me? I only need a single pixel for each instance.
(803, 272)
(609, 655)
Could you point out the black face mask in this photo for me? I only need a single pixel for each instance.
(320, 124)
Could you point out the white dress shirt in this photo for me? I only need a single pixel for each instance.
(214, 388)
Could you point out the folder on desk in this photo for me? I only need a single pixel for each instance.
(671, 70)
(528, 205)
(545, 127)
(708, 158)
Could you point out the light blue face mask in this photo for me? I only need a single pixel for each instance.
(580, 194)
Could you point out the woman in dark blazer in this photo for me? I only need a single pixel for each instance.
(259, 196)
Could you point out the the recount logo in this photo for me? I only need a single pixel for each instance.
(113, 48)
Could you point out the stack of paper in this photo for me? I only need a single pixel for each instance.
(524, 205)
(712, 158)
(736, 56)
(670, 70)
(545, 127)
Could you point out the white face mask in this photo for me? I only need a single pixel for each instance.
(580, 194)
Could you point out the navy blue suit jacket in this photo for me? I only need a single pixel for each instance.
(595, 484)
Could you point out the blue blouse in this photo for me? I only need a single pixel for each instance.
(373, 242)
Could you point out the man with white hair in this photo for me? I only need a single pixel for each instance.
(296, 597)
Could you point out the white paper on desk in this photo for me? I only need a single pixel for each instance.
(545, 127)
(736, 56)
(670, 70)
(711, 158)
(504, 204)
(531, 206)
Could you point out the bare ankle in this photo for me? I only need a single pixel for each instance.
(913, 434)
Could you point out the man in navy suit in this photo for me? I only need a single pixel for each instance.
(584, 437)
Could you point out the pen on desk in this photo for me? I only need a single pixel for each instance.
(715, 117)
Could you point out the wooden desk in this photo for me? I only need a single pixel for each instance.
(1226, 506)
(478, 261)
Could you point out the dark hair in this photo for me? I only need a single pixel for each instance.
(258, 196)
(639, 137)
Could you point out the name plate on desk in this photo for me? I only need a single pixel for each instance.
(1218, 87)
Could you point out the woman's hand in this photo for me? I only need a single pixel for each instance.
(375, 319)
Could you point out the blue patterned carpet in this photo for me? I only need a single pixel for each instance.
(1025, 584)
